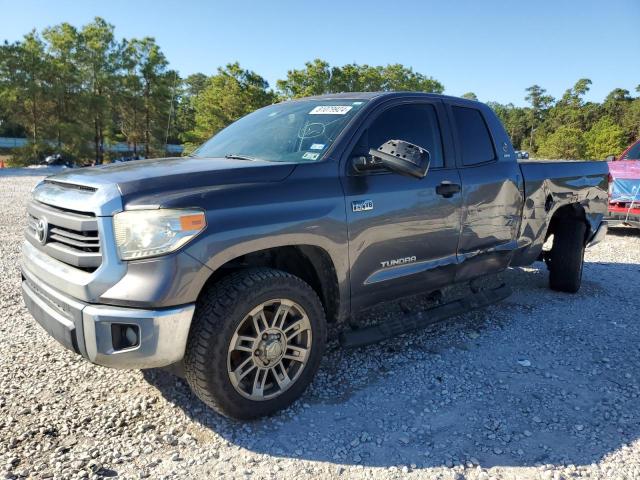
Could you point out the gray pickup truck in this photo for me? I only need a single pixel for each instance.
(231, 263)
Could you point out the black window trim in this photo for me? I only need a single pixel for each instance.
(456, 136)
(448, 153)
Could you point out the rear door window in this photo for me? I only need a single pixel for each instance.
(473, 134)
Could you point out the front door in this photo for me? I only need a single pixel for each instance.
(403, 234)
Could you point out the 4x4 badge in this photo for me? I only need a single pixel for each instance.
(362, 205)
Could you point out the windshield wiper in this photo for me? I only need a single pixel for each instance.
(237, 156)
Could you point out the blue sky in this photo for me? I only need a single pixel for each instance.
(493, 48)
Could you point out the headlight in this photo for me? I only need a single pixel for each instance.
(148, 233)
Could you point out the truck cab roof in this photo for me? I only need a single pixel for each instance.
(387, 95)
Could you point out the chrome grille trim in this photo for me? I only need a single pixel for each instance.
(86, 239)
(77, 221)
(72, 237)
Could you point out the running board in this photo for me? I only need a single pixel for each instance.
(409, 323)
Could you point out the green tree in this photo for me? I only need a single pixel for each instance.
(318, 78)
(185, 119)
(571, 110)
(565, 143)
(25, 92)
(129, 101)
(515, 121)
(540, 104)
(66, 90)
(616, 104)
(98, 63)
(605, 137)
(315, 79)
(631, 119)
(152, 89)
(397, 78)
(470, 96)
(230, 94)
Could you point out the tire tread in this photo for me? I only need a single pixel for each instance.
(567, 256)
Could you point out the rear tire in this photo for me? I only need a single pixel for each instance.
(566, 258)
(256, 342)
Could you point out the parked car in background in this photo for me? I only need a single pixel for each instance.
(631, 153)
(128, 159)
(624, 187)
(57, 160)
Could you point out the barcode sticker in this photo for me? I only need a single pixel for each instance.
(330, 110)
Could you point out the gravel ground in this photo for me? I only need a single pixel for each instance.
(542, 386)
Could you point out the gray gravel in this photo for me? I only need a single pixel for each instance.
(542, 386)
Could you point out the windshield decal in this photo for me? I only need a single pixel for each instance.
(316, 146)
(310, 156)
(330, 110)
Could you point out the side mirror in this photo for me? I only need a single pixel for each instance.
(610, 158)
(403, 157)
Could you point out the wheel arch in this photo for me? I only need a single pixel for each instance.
(311, 263)
(572, 211)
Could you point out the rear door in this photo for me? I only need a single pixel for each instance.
(492, 191)
(402, 233)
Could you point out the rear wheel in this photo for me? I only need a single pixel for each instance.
(256, 342)
(566, 258)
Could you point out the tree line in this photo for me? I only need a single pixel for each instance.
(77, 90)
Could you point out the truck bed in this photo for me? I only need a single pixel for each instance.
(552, 184)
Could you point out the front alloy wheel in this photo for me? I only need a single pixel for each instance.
(256, 341)
(269, 349)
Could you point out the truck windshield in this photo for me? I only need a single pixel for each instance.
(297, 131)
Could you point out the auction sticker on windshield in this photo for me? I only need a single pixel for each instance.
(330, 110)
(310, 156)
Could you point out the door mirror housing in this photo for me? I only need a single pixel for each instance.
(610, 158)
(403, 157)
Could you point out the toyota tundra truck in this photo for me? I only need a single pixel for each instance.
(232, 262)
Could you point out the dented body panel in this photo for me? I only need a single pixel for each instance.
(550, 185)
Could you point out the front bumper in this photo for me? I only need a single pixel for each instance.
(87, 329)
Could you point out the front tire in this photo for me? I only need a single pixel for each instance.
(566, 258)
(256, 341)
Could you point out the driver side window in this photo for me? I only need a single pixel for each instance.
(414, 123)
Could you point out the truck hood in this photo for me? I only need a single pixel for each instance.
(151, 177)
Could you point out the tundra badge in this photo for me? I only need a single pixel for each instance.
(362, 205)
(398, 261)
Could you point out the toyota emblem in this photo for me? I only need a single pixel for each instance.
(42, 231)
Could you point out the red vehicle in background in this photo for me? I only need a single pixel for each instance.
(624, 187)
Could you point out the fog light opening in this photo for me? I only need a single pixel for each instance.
(124, 336)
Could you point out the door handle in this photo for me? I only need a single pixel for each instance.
(448, 189)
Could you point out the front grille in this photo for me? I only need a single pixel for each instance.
(69, 236)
